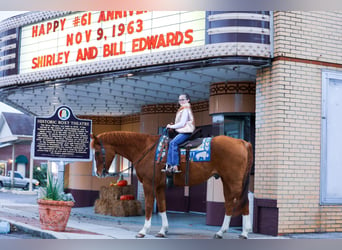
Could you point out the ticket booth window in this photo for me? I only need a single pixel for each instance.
(234, 128)
(236, 125)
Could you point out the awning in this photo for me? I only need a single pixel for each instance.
(21, 159)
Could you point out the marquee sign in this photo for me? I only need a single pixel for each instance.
(99, 35)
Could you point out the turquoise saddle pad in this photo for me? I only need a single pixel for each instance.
(200, 153)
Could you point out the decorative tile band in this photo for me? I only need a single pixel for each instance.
(129, 119)
(172, 108)
(232, 88)
(147, 109)
(158, 108)
(112, 120)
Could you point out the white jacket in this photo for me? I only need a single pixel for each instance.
(184, 122)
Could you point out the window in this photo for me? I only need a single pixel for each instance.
(2, 168)
(331, 138)
(234, 128)
(240, 125)
(120, 165)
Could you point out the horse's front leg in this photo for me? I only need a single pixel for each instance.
(148, 212)
(224, 228)
(165, 226)
(146, 228)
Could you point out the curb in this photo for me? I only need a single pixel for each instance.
(30, 230)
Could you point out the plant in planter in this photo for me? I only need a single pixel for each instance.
(54, 206)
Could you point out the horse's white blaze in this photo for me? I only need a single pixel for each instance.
(225, 225)
(246, 225)
(165, 223)
(146, 228)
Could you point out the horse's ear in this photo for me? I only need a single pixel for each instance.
(93, 140)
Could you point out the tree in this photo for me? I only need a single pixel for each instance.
(40, 174)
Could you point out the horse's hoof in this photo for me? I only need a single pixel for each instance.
(160, 235)
(242, 237)
(140, 236)
(216, 236)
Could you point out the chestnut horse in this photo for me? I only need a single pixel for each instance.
(231, 159)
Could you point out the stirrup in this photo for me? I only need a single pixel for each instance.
(167, 169)
(175, 171)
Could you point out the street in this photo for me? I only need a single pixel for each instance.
(21, 197)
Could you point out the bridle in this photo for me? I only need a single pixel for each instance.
(105, 172)
(103, 154)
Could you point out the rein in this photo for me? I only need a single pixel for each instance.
(105, 171)
(144, 154)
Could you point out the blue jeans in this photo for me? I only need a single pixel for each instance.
(173, 152)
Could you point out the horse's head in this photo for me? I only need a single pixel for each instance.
(104, 155)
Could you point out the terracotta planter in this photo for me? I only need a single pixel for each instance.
(54, 215)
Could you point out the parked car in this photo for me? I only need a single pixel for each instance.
(19, 181)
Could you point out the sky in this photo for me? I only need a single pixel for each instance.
(4, 15)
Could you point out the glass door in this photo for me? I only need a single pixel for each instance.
(234, 128)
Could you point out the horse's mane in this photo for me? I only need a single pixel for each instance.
(122, 137)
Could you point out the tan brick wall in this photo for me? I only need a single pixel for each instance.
(313, 35)
(288, 120)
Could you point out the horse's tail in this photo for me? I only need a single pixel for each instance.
(244, 193)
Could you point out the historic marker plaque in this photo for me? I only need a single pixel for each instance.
(62, 137)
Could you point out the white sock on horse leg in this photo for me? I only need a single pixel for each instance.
(165, 223)
(246, 225)
(146, 228)
(225, 225)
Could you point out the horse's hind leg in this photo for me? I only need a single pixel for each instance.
(224, 228)
(246, 226)
(229, 204)
(160, 195)
(246, 222)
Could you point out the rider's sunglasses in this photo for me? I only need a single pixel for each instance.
(181, 100)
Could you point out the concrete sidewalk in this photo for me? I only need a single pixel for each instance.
(84, 223)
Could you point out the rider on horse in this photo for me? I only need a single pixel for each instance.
(184, 126)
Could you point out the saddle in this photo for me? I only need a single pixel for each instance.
(193, 141)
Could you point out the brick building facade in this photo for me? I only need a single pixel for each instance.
(272, 76)
(288, 124)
